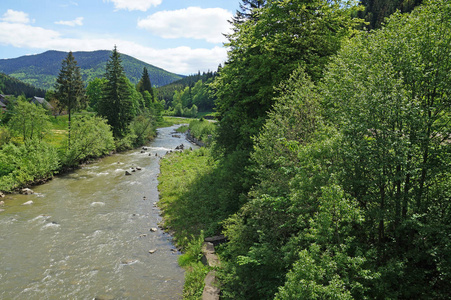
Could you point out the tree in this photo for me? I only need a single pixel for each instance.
(376, 11)
(92, 137)
(247, 10)
(389, 93)
(116, 104)
(286, 35)
(94, 91)
(144, 84)
(29, 121)
(69, 87)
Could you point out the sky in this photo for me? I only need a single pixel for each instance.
(180, 36)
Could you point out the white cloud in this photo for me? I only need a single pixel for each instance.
(142, 5)
(13, 16)
(181, 60)
(23, 35)
(77, 22)
(193, 22)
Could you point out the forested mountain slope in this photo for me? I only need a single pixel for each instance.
(42, 69)
(13, 86)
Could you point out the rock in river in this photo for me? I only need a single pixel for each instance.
(26, 191)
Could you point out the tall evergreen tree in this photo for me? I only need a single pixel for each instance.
(116, 104)
(377, 10)
(144, 84)
(247, 10)
(69, 87)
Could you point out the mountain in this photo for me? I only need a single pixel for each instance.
(13, 86)
(42, 69)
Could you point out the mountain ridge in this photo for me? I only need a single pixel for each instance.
(41, 70)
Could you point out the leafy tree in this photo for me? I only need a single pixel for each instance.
(396, 161)
(69, 87)
(116, 104)
(263, 54)
(91, 137)
(94, 91)
(29, 121)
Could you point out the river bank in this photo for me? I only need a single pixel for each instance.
(92, 233)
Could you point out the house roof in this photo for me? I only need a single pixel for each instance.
(42, 101)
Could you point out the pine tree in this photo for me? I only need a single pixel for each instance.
(116, 104)
(247, 10)
(144, 84)
(69, 87)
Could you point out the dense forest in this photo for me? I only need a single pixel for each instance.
(42, 69)
(180, 96)
(329, 174)
(13, 86)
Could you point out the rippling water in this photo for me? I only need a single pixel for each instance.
(87, 234)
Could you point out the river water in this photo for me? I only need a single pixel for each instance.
(88, 233)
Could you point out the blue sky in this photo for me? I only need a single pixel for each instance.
(181, 36)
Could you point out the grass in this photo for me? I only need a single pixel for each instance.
(182, 129)
(170, 121)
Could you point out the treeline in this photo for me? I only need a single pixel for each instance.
(376, 11)
(189, 95)
(116, 115)
(15, 87)
(330, 177)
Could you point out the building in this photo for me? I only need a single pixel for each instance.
(41, 101)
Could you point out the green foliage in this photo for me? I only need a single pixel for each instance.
(13, 86)
(94, 91)
(142, 128)
(264, 52)
(30, 122)
(23, 164)
(202, 130)
(376, 11)
(69, 88)
(144, 85)
(167, 92)
(194, 281)
(116, 103)
(5, 136)
(91, 137)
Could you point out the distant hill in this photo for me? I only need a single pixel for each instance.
(13, 86)
(42, 69)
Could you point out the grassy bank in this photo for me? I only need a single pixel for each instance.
(191, 210)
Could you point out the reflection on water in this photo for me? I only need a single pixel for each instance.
(87, 234)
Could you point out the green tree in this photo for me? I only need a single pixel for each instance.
(116, 104)
(144, 84)
(92, 137)
(264, 53)
(388, 92)
(94, 91)
(29, 121)
(376, 11)
(69, 87)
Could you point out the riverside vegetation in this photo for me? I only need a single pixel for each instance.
(35, 145)
(329, 170)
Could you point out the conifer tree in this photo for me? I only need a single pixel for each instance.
(247, 10)
(69, 87)
(145, 85)
(116, 104)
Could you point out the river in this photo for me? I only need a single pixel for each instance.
(88, 233)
